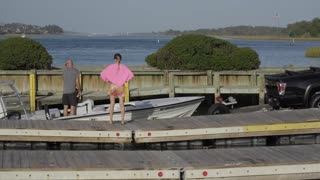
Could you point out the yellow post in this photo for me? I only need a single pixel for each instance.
(126, 91)
(32, 79)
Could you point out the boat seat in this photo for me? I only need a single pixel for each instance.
(85, 107)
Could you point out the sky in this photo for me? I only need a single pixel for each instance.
(121, 16)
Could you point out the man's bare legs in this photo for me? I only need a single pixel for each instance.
(111, 108)
(65, 110)
(121, 103)
(72, 110)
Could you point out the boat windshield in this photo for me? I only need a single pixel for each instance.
(11, 103)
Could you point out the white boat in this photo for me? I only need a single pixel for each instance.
(147, 109)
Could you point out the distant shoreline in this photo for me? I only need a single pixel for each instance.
(149, 68)
(226, 36)
(271, 38)
(100, 68)
(63, 34)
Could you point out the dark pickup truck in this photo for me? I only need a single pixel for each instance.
(294, 89)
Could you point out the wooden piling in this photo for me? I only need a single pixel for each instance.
(171, 85)
(209, 78)
(216, 84)
(261, 86)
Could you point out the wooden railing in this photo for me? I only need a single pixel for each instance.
(146, 83)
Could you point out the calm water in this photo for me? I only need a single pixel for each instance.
(99, 50)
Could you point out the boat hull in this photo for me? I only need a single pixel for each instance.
(172, 111)
(150, 110)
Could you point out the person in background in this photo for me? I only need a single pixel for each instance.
(117, 75)
(71, 88)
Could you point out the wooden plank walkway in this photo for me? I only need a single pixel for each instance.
(285, 162)
(255, 124)
(306, 121)
(64, 131)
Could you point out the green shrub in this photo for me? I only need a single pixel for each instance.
(152, 60)
(23, 54)
(313, 52)
(199, 52)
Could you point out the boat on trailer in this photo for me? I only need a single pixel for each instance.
(151, 109)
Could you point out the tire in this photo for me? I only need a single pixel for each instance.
(315, 101)
(218, 109)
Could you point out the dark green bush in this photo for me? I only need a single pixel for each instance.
(23, 54)
(199, 52)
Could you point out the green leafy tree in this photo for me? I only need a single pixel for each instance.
(53, 29)
(18, 28)
(297, 29)
(305, 28)
(23, 54)
(315, 27)
(200, 52)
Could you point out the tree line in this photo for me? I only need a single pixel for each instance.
(297, 29)
(19, 28)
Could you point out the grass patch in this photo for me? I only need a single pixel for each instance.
(313, 52)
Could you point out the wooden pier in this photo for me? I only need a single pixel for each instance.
(269, 162)
(281, 162)
(256, 124)
(274, 123)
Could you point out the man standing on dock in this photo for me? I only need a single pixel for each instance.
(71, 88)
